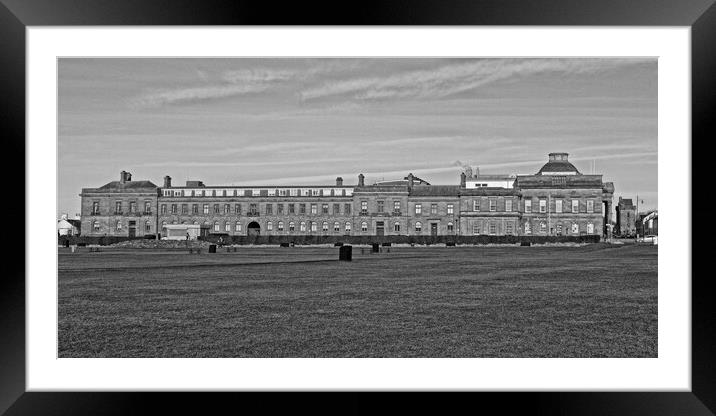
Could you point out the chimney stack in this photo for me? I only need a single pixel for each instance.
(361, 180)
(462, 180)
(339, 181)
(167, 181)
(122, 177)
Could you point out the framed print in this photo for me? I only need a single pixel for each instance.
(429, 198)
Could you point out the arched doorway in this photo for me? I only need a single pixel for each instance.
(253, 228)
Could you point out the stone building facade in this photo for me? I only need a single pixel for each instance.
(557, 200)
(626, 218)
(120, 208)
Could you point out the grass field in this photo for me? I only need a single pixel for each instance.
(590, 301)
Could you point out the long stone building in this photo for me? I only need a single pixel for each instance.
(557, 200)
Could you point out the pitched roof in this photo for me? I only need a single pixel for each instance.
(558, 166)
(129, 186)
(435, 190)
(489, 191)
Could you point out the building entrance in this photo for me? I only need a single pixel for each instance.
(132, 229)
(433, 229)
(380, 228)
(253, 229)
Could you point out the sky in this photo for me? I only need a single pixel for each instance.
(259, 121)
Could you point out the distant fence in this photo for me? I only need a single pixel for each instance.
(359, 239)
(403, 239)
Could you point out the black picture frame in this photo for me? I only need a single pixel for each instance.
(16, 15)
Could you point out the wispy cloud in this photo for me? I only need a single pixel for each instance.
(235, 83)
(455, 78)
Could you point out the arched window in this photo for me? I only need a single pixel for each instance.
(348, 227)
(314, 226)
(280, 225)
(196, 222)
(269, 226)
(396, 227)
(559, 228)
(528, 228)
(95, 225)
(325, 226)
(119, 225)
(291, 226)
(216, 226)
(418, 227)
(575, 228)
(147, 226)
(450, 227)
(336, 227)
(543, 227)
(227, 226)
(303, 226)
(238, 227)
(364, 226)
(590, 228)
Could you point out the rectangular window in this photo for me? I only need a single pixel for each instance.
(418, 209)
(450, 209)
(314, 209)
(347, 210)
(542, 205)
(528, 205)
(174, 208)
(381, 206)
(301, 208)
(476, 205)
(216, 208)
(237, 208)
(493, 228)
(575, 205)
(227, 209)
(396, 206)
(95, 207)
(133, 207)
(163, 208)
(558, 206)
(195, 208)
(118, 207)
(206, 209)
(476, 229)
(508, 228)
(147, 207)
(254, 209)
(336, 209)
(493, 205)
(291, 208)
(184, 208)
(590, 206)
(363, 207)
(508, 205)
(279, 209)
(269, 209)
(324, 209)
(433, 209)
